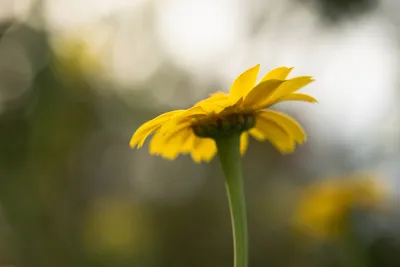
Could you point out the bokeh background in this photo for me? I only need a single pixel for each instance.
(78, 77)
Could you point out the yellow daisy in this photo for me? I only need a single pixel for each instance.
(323, 207)
(242, 110)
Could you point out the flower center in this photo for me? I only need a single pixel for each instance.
(221, 126)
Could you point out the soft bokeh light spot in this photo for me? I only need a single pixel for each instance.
(63, 14)
(134, 56)
(363, 100)
(198, 33)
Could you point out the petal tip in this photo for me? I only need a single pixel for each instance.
(132, 143)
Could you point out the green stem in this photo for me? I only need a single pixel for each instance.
(229, 155)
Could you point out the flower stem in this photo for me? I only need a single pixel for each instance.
(229, 155)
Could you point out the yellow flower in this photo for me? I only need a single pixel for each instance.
(243, 110)
(323, 208)
(77, 55)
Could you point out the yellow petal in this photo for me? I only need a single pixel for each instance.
(244, 83)
(174, 147)
(170, 145)
(177, 128)
(156, 143)
(276, 134)
(215, 103)
(214, 107)
(149, 127)
(244, 142)
(204, 149)
(286, 122)
(283, 147)
(219, 95)
(214, 97)
(182, 117)
(261, 92)
(187, 145)
(278, 74)
(140, 136)
(194, 112)
(257, 134)
(288, 87)
(298, 97)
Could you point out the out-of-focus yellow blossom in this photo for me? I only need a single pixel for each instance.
(77, 53)
(242, 110)
(323, 208)
(116, 226)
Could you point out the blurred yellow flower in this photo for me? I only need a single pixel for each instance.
(79, 53)
(324, 207)
(193, 131)
(115, 225)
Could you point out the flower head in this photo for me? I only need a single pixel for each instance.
(324, 207)
(242, 111)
